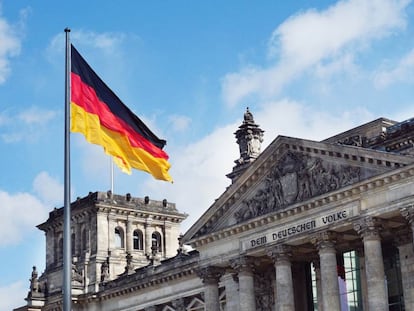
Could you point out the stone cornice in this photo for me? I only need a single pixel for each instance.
(125, 212)
(348, 193)
(111, 203)
(181, 266)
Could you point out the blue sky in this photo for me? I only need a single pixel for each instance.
(189, 69)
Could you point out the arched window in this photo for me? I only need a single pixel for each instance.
(119, 237)
(138, 240)
(156, 241)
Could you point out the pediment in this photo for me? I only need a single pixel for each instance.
(291, 171)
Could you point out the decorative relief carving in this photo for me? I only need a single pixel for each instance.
(324, 241)
(37, 289)
(179, 304)
(210, 275)
(368, 228)
(297, 177)
(280, 253)
(243, 264)
(408, 214)
(264, 291)
(105, 270)
(77, 275)
(356, 140)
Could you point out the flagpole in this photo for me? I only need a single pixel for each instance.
(67, 256)
(112, 174)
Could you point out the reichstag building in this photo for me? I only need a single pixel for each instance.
(304, 225)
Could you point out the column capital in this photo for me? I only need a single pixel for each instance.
(210, 274)
(408, 213)
(230, 273)
(280, 253)
(325, 240)
(368, 227)
(242, 264)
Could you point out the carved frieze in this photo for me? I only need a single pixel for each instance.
(295, 178)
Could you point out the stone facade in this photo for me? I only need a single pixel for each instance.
(301, 222)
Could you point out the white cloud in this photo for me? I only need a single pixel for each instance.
(22, 211)
(36, 116)
(309, 38)
(48, 189)
(95, 163)
(12, 295)
(179, 123)
(199, 172)
(291, 118)
(32, 120)
(199, 169)
(402, 72)
(9, 47)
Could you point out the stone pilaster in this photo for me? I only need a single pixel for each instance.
(325, 243)
(281, 255)
(231, 286)
(244, 267)
(211, 276)
(369, 229)
(148, 237)
(78, 239)
(128, 235)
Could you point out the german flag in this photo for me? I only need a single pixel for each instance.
(103, 119)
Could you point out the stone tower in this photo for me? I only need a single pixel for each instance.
(111, 236)
(249, 137)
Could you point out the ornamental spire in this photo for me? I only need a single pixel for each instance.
(249, 137)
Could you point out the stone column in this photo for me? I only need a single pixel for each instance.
(325, 243)
(317, 270)
(244, 267)
(229, 280)
(369, 229)
(285, 299)
(211, 276)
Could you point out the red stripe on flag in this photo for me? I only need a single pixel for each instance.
(85, 96)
